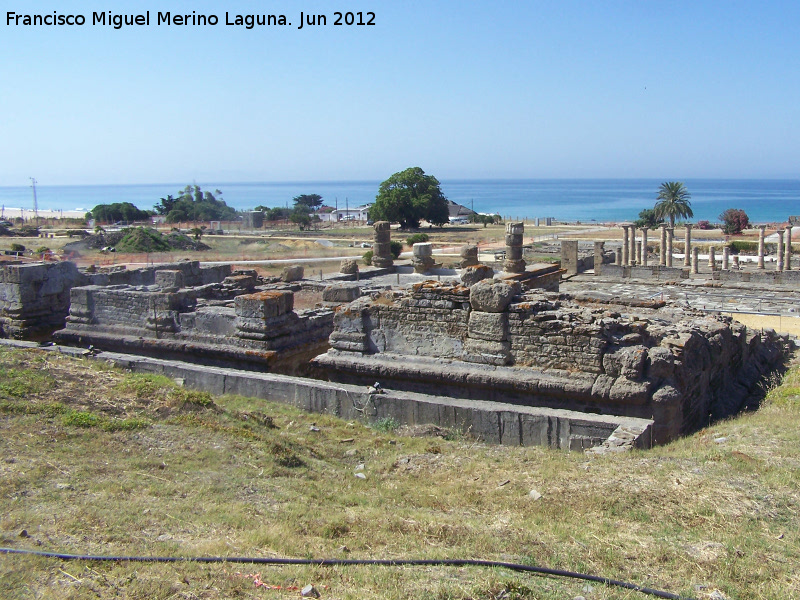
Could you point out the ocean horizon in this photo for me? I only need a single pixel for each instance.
(571, 200)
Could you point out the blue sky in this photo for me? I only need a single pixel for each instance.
(464, 89)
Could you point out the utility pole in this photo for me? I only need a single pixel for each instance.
(35, 203)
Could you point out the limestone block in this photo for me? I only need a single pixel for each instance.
(630, 392)
(169, 279)
(514, 266)
(493, 295)
(292, 273)
(382, 226)
(264, 305)
(487, 352)
(491, 327)
(472, 275)
(469, 256)
(422, 249)
(513, 239)
(515, 228)
(341, 292)
(382, 249)
(349, 266)
(662, 363)
(627, 362)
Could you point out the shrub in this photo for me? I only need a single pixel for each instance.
(367, 258)
(396, 249)
(42, 250)
(17, 248)
(742, 246)
(734, 220)
(386, 424)
(705, 225)
(417, 238)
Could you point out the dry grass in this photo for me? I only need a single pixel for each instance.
(99, 461)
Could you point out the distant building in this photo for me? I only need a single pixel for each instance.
(458, 213)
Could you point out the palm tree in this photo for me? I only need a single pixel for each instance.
(673, 201)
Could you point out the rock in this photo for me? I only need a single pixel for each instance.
(662, 363)
(469, 256)
(361, 476)
(627, 362)
(293, 273)
(309, 592)
(341, 292)
(349, 266)
(473, 274)
(493, 296)
(534, 495)
(717, 595)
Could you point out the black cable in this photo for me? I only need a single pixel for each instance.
(336, 562)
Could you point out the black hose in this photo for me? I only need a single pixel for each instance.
(336, 562)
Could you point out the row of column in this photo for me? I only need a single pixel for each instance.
(635, 252)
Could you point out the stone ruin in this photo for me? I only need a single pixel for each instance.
(237, 322)
(494, 342)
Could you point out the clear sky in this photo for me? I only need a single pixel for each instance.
(466, 89)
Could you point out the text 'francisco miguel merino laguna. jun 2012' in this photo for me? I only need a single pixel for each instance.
(118, 21)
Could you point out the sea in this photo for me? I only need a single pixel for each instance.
(565, 200)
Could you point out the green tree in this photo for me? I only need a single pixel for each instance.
(195, 205)
(310, 201)
(673, 202)
(118, 211)
(300, 217)
(648, 219)
(485, 219)
(408, 197)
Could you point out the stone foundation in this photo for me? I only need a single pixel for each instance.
(491, 342)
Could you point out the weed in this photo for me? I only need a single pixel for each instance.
(79, 418)
(385, 425)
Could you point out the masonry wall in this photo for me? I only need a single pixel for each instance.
(536, 349)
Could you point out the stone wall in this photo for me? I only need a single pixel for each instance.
(674, 366)
(249, 330)
(34, 298)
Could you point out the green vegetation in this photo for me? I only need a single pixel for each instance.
(396, 248)
(417, 238)
(408, 197)
(734, 221)
(648, 219)
(673, 202)
(195, 205)
(485, 219)
(17, 247)
(118, 211)
(738, 246)
(367, 257)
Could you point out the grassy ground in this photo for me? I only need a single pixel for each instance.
(99, 461)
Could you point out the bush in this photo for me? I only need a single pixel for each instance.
(396, 248)
(367, 258)
(734, 220)
(42, 250)
(705, 225)
(741, 246)
(17, 248)
(417, 238)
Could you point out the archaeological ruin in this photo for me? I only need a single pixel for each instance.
(509, 354)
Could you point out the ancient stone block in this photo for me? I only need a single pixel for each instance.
(469, 256)
(293, 273)
(472, 275)
(341, 292)
(349, 266)
(626, 362)
(492, 327)
(493, 295)
(487, 352)
(264, 305)
(169, 279)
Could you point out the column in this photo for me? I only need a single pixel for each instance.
(670, 237)
(712, 258)
(687, 245)
(761, 229)
(787, 261)
(618, 257)
(779, 264)
(625, 247)
(736, 262)
(726, 255)
(381, 249)
(662, 258)
(633, 245)
(514, 262)
(599, 251)
(644, 247)
(695, 260)
(638, 254)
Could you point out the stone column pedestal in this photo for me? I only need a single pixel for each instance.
(618, 257)
(736, 261)
(599, 250)
(761, 229)
(779, 263)
(787, 259)
(695, 261)
(382, 249)
(670, 237)
(726, 255)
(687, 246)
(514, 262)
(662, 258)
(643, 260)
(633, 255)
(422, 259)
(625, 246)
(712, 258)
